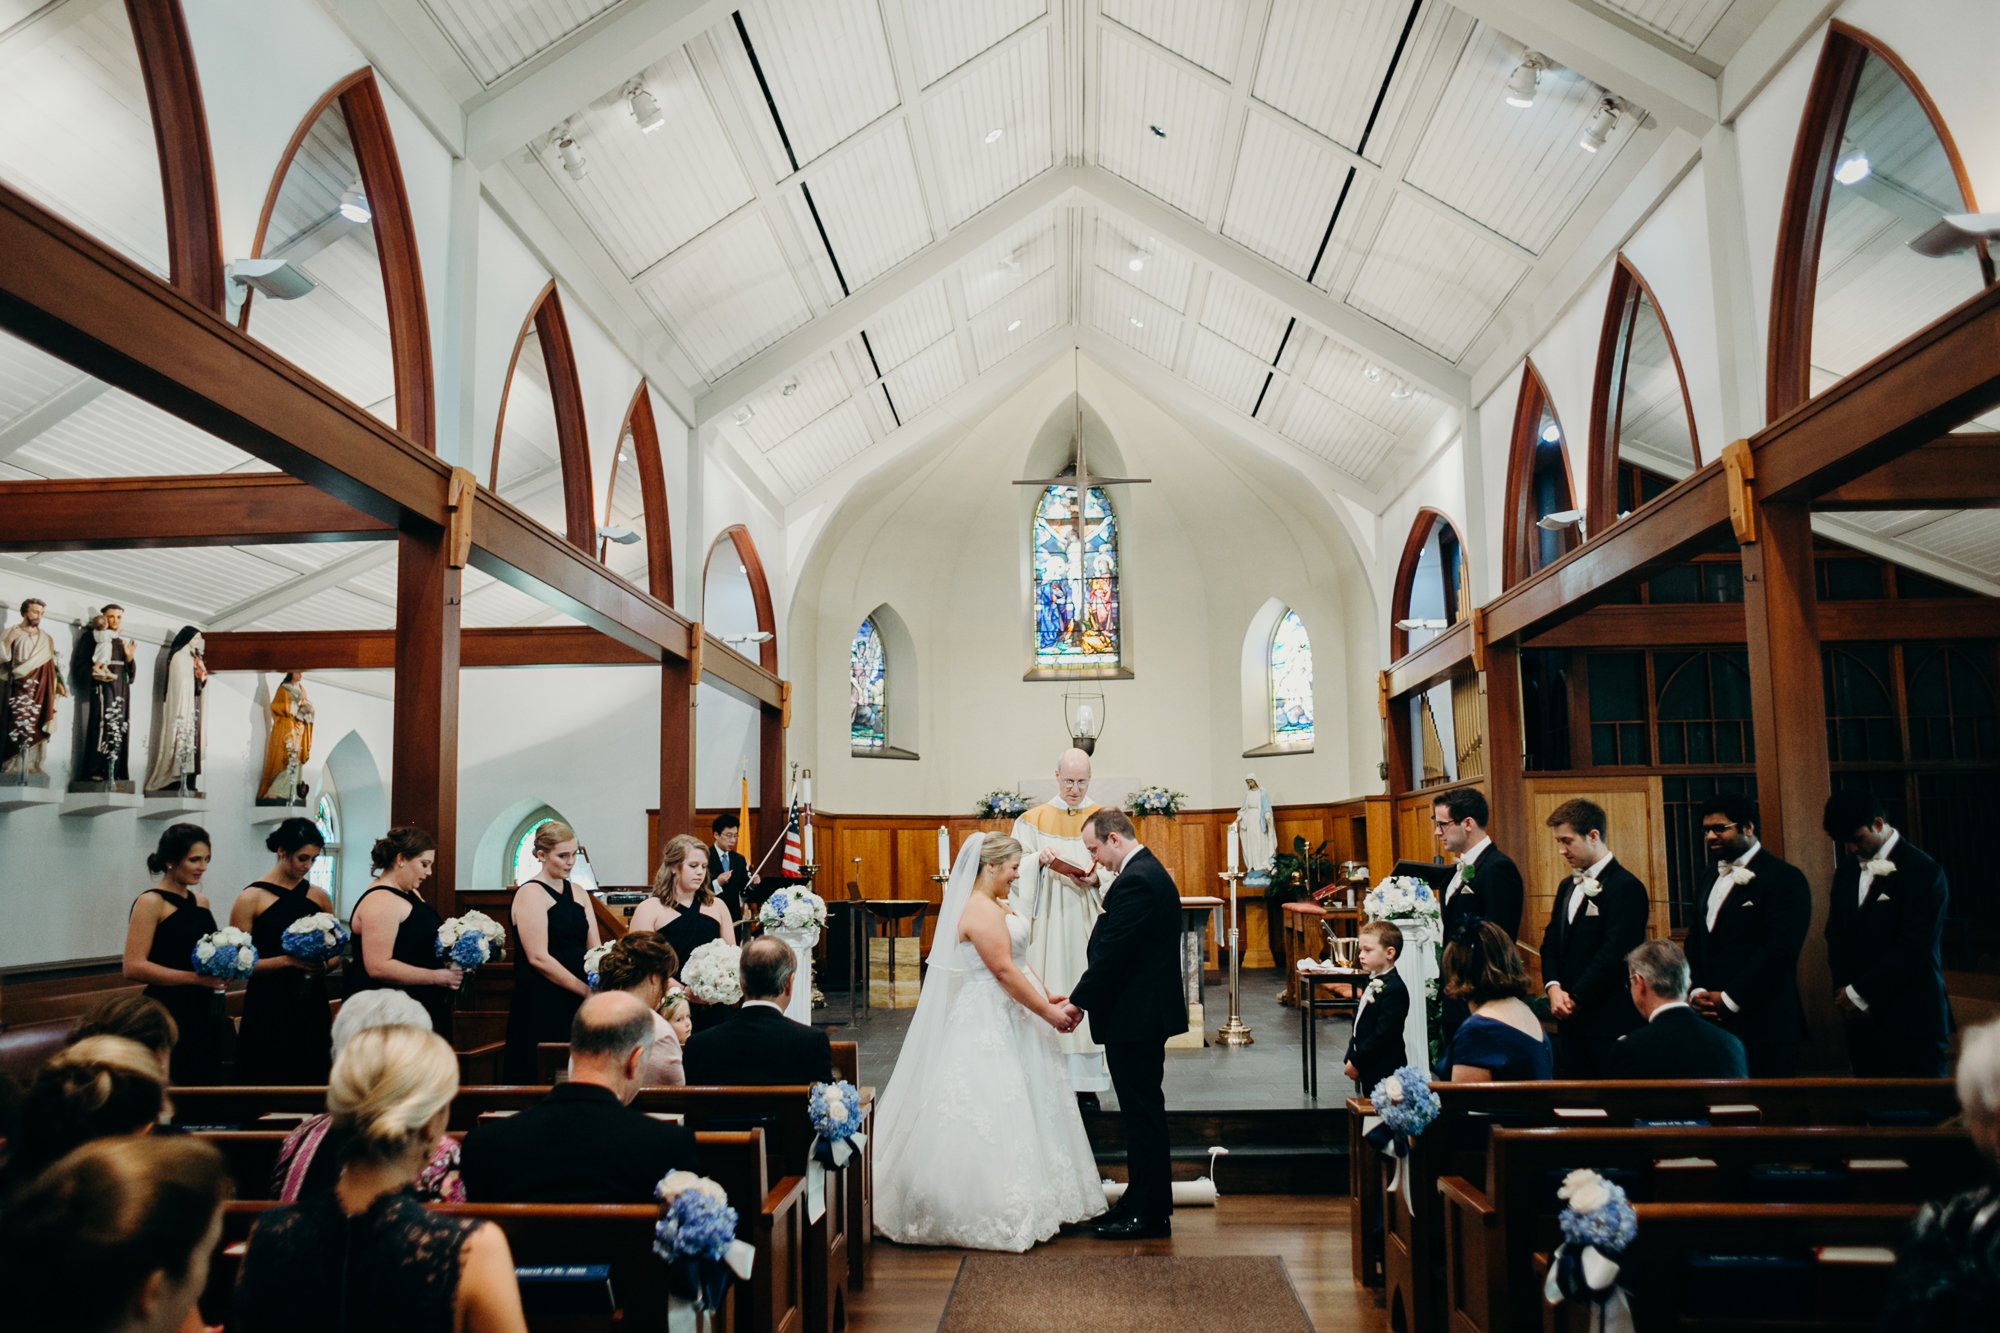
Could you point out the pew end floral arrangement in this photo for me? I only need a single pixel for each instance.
(696, 1235)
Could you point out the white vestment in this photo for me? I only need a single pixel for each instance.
(1061, 916)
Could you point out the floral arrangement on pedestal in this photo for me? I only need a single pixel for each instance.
(1000, 805)
(1155, 801)
(710, 973)
(793, 909)
(835, 1110)
(224, 953)
(1402, 898)
(696, 1235)
(1597, 1223)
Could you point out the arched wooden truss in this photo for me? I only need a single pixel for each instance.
(566, 393)
(760, 588)
(1607, 397)
(640, 429)
(1520, 556)
(1426, 522)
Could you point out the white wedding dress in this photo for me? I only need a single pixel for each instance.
(979, 1142)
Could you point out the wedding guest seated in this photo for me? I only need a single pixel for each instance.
(1948, 1266)
(1376, 1049)
(583, 1143)
(137, 1018)
(642, 965)
(367, 1254)
(309, 1159)
(1501, 1040)
(114, 1238)
(100, 1088)
(760, 1046)
(1676, 1042)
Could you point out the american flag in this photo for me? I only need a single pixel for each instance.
(789, 863)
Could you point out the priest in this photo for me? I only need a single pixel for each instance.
(1062, 907)
(33, 683)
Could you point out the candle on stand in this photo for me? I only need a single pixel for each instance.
(809, 839)
(1235, 848)
(944, 850)
(806, 793)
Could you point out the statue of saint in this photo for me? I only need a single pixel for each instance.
(1258, 833)
(291, 744)
(1061, 908)
(106, 670)
(177, 762)
(33, 684)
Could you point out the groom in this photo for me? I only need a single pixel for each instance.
(1132, 992)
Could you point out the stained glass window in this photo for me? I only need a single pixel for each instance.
(1076, 581)
(325, 872)
(869, 725)
(1291, 682)
(526, 864)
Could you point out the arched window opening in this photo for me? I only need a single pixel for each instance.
(1951, 706)
(1291, 677)
(1432, 591)
(1076, 579)
(325, 873)
(736, 599)
(1860, 714)
(541, 451)
(1642, 417)
(1704, 708)
(868, 727)
(635, 539)
(1543, 521)
(1875, 169)
(338, 212)
(522, 862)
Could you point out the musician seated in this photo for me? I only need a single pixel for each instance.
(760, 1046)
(1676, 1042)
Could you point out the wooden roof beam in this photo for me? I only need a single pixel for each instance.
(1956, 472)
(121, 513)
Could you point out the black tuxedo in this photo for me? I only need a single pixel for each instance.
(1494, 892)
(1752, 956)
(579, 1144)
(1887, 950)
(1587, 956)
(732, 892)
(759, 1047)
(1377, 1047)
(1678, 1043)
(1131, 988)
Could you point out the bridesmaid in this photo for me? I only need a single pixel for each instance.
(685, 913)
(395, 930)
(286, 1036)
(555, 928)
(160, 936)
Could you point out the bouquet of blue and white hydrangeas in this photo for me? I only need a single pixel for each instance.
(317, 938)
(696, 1235)
(593, 959)
(1155, 801)
(835, 1109)
(1406, 1105)
(793, 909)
(710, 973)
(1402, 898)
(224, 953)
(468, 942)
(1000, 805)
(1597, 1224)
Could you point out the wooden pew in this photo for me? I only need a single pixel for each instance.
(553, 1060)
(1493, 1234)
(1412, 1240)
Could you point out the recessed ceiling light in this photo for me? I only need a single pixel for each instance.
(993, 135)
(1600, 126)
(354, 204)
(1853, 167)
(645, 109)
(1551, 432)
(1372, 373)
(1015, 325)
(1158, 133)
(573, 160)
(1522, 83)
(1135, 322)
(791, 387)
(744, 413)
(1136, 262)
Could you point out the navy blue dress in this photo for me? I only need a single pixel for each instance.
(1510, 1054)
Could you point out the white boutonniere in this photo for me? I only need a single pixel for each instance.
(1374, 988)
(1879, 867)
(1740, 874)
(1590, 887)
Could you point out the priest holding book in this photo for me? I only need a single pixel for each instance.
(1061, 892)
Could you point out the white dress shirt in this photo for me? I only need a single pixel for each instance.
(1137, 847)
(1867, 881)
(1367, 995)
(1670, 1004)
(768, 1004)
(1719, 895)
(1458, 876)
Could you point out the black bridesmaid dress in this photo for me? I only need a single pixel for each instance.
(286, 1037)
(416, 946)
(197, 1060)
(686, 933)
(541, 1010)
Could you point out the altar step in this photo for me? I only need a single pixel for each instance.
(1270, 1152)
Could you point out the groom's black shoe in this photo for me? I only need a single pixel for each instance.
(1134, 1228)
(1086, 1102)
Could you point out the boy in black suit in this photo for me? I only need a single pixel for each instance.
(1377, 1047)
(1882, 935)
(1486, 884)
(1674, 1041)
(760, 1047)
(1599, 916)
(1744, 941)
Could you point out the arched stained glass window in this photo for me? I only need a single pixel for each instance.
(1291, 682)
(325, 872)
(868, 728)
(1076, 579)
(522, 863)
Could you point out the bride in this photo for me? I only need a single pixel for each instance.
(978, 1141)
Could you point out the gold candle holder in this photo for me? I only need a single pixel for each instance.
(1234, 1032)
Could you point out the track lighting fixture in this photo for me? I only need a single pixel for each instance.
(623, 536)
(744, 413)
(1602, 121)
(993, 135)
(645, 109)
(1401, 390)
(354, 204)
(1015, 325)
(791, 387)
(1526, 78)
(1136, 262)
(1420, 624)
(1372, 373)
(1562, 518)
(573, 160)
(1853, 166)
(1136, 323)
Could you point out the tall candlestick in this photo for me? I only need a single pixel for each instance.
(944, 850)
(808, 781)
(809, 838)
(1235, 848)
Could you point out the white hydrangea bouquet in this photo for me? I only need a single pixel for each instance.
(317, 938)
(1155, 800)
(1000, 805)
(835, 1111)
(468, 942)
(710, 973)
(793, 909)
(593, 961)
(224, 953)
(1402, 898)
(1597, 1223)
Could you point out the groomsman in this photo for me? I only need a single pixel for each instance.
(1882, 931)
(1486, 884)
(1600, 915)
(1743, 945)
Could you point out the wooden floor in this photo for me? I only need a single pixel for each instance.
(908, 1286)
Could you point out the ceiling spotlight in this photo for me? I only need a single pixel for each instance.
(1955, 232)
(277, 279)
(354, 204)
(1420, 624)
(993, 135)
(744, 413)
(743, 569)
(572, 157)
(1525, 79)
(1015, 325)
(1853, 167)
(1401, 390)
(621, 455)
(1136, 262)
(1135, 322)
(1158, 133)
(1372, 373)
(1599, 129)
(623, 536)
(1562, 518)
(1551, 432)
(645, 109)
(791, 387)
(761, 636)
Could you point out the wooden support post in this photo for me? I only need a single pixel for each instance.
(1781, 615)
(770, 780)
(1506, 783)
(1395, 737)
(424, 783)
(676, 750)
